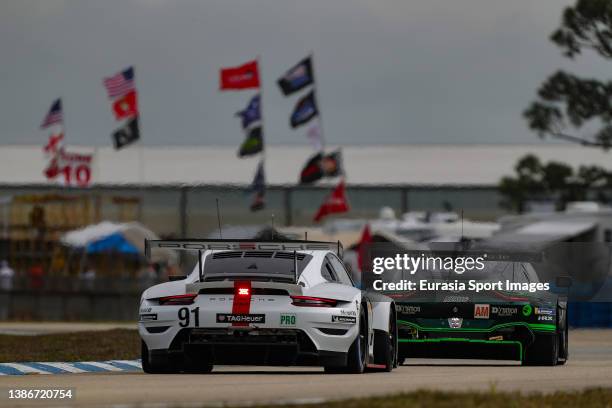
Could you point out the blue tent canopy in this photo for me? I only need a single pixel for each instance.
(112, 243)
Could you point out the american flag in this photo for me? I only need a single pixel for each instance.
(120, 84)
(54, 116)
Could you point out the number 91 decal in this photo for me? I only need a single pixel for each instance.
(184, 316)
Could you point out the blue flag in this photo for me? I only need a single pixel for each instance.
(298, 77)
(252, 113)
(305, 109)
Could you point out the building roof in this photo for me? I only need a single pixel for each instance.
(481, 165)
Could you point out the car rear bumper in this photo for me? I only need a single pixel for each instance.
(247, 347)
(457, 348)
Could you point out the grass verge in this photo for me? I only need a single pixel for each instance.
(117, 344)
(596, 397)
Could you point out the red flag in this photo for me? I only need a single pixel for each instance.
(52, 170)
(335, 203)
(126, 106)
(362, 254)
(242, 77)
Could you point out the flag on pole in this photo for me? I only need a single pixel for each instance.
(127, 134)
(305, 109)
(322, 165)
(54, 116)
(259, 188)
(245, 76)
(298, 77)
(126, 106)
(252, 113)
(335, 203)
(315, 136)
(253, 143)
(120, 83)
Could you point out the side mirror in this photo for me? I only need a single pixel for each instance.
(176, 277)
(563, 281)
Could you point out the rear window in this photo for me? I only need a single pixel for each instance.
(236, 264)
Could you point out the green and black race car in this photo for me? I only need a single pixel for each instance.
(530, 327)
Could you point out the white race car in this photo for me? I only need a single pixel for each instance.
(264, 303)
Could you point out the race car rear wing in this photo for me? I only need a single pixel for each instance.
(202, 245)
(241, 245)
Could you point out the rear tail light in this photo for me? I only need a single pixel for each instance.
(178, 299)
(310, 301)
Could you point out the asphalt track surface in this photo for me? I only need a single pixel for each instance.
(590, 365)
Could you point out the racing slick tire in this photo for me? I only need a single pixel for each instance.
(390, 344)
(356, 358)
(150, 366)
(385, 345)
(563, 340)
(544, 351)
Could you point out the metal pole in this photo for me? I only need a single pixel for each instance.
(183, 211)
(287, 205)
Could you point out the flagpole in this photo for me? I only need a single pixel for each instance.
(261, 113)
(63, 141)
(318, 102)
(141, 163)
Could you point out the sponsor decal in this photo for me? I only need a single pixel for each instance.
(287, 319)
(546, 318)
(527, 309)
(496, 338)
(148, 317)
(240, 318)
(407, 309)
(504, 311)
(344, 319)
(348, 312)
(455, 322)
(481, 311)
(544, 311)
(456, 299)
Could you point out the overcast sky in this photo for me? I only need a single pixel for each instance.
(403, 71)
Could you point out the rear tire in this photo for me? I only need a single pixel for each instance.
(389, 350)
(543, 352)
(563, 338)
(150, 366)
(356, 362)
(356, 359)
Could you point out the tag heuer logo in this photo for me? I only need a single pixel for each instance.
(240, 318)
